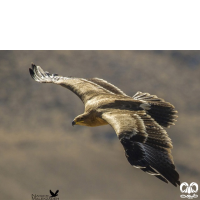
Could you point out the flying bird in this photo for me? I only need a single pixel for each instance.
(138, 121)
(54, 194)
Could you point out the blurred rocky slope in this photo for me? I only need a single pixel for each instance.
(40, 150)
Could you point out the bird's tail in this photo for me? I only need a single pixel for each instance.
(163, 112)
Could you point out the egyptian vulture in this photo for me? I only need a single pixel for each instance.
(138, 121)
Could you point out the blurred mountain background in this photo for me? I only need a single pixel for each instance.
(40, 150)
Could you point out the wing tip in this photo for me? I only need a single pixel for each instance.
(167, 180)
(32, 74)
(33, 65)
(37, 73)
(32, 70)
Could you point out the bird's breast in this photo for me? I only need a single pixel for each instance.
(98, 122)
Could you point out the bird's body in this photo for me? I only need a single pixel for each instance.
(96, 107)
(138, 121)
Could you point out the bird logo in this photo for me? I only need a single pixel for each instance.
(54, 194)
(189, 189)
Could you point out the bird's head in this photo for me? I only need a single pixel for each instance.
(82, 119)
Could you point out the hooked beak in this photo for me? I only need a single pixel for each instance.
(73, 123)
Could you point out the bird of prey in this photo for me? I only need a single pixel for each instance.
(54, 194)
(138, 121)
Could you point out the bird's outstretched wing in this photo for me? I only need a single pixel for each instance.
(85, 89)
(56, 192)
(146, 144)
